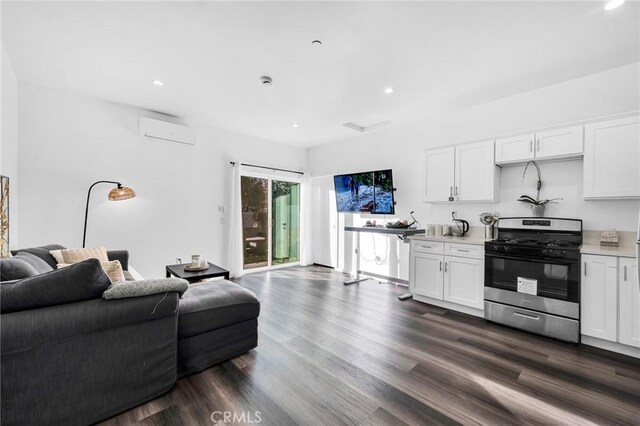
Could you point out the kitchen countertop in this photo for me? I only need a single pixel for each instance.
(475, 240)
(622, 251)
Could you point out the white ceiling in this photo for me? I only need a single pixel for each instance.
(210, 55)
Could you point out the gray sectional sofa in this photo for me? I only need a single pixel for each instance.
(72, 357)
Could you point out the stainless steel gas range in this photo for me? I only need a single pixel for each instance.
(532, 276)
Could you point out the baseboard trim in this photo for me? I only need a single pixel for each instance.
(610, 346)
(448, 305)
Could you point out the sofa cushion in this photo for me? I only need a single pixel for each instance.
(42, 252)
(40, 265)
(82, 281)
(215, 304)
(13, 268)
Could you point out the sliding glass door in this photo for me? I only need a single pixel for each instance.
(270, 221)
(285, 208)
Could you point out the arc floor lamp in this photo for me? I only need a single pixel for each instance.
(116, 194)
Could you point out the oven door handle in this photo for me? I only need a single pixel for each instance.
(527, 259)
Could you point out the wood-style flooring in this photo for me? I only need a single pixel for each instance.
(330, 354)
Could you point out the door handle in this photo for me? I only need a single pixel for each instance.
(585, 269)
(445, 266)
(441, 265)
(625, 272)
(535, 317)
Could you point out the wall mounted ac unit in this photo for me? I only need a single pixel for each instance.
(156, 129)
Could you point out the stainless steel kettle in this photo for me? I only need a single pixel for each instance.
(459, 227)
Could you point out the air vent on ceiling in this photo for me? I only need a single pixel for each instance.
(364, 128)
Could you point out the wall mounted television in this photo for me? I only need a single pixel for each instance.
(366, 192)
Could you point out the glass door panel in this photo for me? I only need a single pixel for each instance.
(285, 207)
(255, 221)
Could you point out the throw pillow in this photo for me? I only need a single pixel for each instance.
(57, 254)
(82, 281)
(78, 255)
(145, 288)
(12, 268)
(40, 265)
(113, 269)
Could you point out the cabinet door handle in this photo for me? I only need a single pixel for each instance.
(424, 246)
(445, 266)
(531, 145)
(538, 145)
(625, 272)
(441, 265)
(463, 250)
(455, 192)
(585, 269)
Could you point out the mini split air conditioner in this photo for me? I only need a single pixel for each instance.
(163, 130)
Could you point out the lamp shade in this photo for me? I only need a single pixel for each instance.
(121, 193)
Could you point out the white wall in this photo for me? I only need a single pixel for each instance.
(9, 141)
(400, 148)
(67, 142)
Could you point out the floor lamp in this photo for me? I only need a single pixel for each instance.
(116, 194)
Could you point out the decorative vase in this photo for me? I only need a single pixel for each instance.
(538, 210)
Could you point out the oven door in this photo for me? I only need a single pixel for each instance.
(551, 278)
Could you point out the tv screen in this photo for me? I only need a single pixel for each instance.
(368, 192)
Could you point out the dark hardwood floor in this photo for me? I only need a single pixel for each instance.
(330, 354)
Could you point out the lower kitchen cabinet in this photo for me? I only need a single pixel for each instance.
(464, 281)
(426, 275)
(454, 282)
(599, 297)
(628, 303)
(610, 299)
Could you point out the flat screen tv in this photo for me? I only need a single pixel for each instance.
(367, 192)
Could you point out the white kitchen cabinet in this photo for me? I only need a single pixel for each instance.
(450, 275)
(628, 302)
(426, 275)
(563, 142)
(559, 143)
(464, 172)
(612, 159)
(464, 281)
(439, 174)
(515, 148)
(599, 297)
(475, 172)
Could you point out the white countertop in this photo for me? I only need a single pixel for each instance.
(458, 240)
(622, 251)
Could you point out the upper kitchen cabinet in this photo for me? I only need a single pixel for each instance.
(461, 173)
(546, 145)
(515, 148)
(612, 159)
(439, 174)
(559, 143)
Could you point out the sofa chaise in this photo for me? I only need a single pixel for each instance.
(73, 357)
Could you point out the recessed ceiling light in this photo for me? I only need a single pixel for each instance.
(158, 83)
(388, 90)
(612, 4)
(296, 125)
